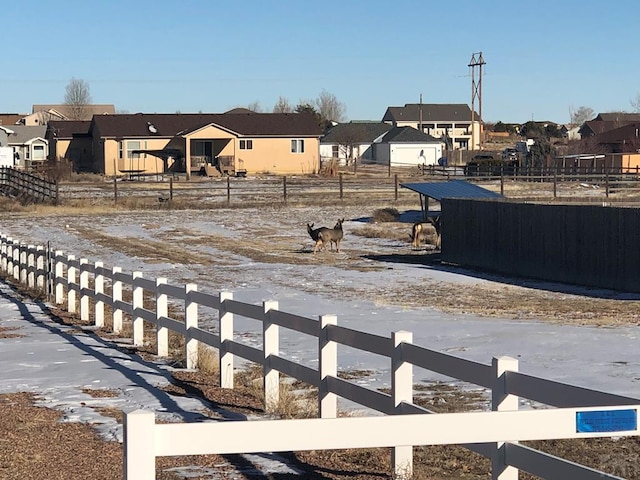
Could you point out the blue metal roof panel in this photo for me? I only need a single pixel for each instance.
(451, 189)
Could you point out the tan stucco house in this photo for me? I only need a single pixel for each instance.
(71, 140)
(280, 143)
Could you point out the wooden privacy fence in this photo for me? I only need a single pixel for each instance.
(91, 287)
(28, 186)
(576, 244)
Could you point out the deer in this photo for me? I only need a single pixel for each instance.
(428, 231)
(323, 236)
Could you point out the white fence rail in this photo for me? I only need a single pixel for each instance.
(92, 288)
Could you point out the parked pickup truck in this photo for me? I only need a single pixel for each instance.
(486, 164)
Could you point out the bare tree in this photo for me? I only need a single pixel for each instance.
(77, 98)
(255, 106)
(282, 106)
(329, 107)
(581, 115)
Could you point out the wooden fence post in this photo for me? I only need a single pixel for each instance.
(606, 185)
(71, 284)
(58, 279)
(270, 346)
(190, 320)
(225, 328)
(395, 186)
(139, 457)
(402, 392)
(98, 288)
(170, 188)
(137, 302)
(501, 401)
(116, 298)
(284, 187)
(341, 188)
(115, 189)
(162, 310)
(228, 191)
(328, 367)
(84, 286)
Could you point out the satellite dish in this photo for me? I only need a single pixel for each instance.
(152, 128)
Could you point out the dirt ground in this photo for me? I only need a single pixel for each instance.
(36, 446)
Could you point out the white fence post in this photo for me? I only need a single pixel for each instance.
(270, 346)
(502, 401)
(328, 367)
(402, 391)
(59, 278)
(18, 263)
(31, 266)
(225, 327)
(137, 302)
(3, 253)
(84, 286)
(71, 284)
(116, 297)
(40, 272)
(139, 457)
(98, 287)
(162, 310)
(190, 320)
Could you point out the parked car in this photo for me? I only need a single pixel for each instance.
(509, 154)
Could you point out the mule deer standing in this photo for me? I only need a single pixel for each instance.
(324, 236)
(428, 231)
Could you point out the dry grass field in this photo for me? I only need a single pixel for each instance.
(35, 445)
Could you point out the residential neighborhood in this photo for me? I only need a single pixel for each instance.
(94, 138)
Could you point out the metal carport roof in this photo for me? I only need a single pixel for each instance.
(450, 189)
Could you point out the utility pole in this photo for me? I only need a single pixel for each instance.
(420, 124)
(476, 92)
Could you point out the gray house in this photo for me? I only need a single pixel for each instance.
(28, 144)
(354, 140)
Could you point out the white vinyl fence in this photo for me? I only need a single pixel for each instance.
(579, 412)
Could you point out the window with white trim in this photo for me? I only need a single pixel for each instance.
(38, 152)
(297, 146)
(133, 145)
(246, 144)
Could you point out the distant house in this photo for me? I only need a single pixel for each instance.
(8, 119)
(450, 122)
(29, 145)
(406, 146)
(41, 114)
(280, 143)
(71, 140)
(354, 140)
(605, 122)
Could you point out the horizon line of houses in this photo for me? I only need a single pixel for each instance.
(243, 141)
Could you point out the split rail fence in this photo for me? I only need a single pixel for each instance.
(95, 289)
(28, 186)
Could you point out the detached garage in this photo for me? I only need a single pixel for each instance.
(406, 146)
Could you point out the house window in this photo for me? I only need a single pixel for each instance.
(335, 151)
(133, 145)
(38, 152)
(297, 146)
(246, 144)
(120, 149)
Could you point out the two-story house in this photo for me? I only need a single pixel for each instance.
(450, 122)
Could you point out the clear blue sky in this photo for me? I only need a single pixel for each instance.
(542, 58)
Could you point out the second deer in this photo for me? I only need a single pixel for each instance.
(324, 236)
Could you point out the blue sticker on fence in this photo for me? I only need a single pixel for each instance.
(607, 421)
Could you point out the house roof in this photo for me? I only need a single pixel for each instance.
(169, 125)
(356, 132)
(10, 118)
(431, 112)
(596, 127)
(408, 135)
(450, 189)
(618, 117)
(22, 134)
(66, 110)
(68, 128)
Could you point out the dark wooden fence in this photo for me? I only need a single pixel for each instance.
(27, 186)
(577, 244)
